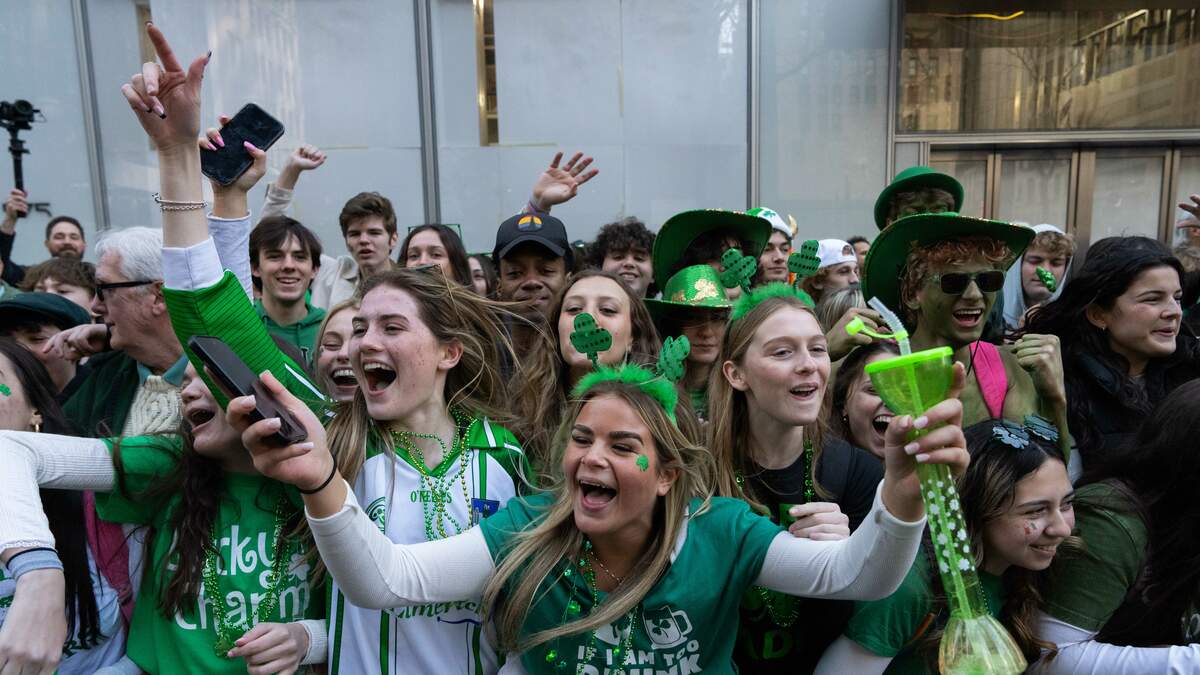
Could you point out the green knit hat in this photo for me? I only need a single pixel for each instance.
(681, 229)
(692, 288)
(884, 266)
(915, 178)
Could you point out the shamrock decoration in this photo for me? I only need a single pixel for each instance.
(590, 339)
(805, 262)
(643, 462)
(672, 357)
(1011, 436)
(8, 392)
(1042, 428)
(739, 269)
(1047, 279)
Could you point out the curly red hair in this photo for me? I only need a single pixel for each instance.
(922, 260)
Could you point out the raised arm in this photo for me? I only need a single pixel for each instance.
(279, 193)
(229, 220)
(1080, 652)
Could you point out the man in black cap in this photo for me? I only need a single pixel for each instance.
(534, 257)
(32, 319)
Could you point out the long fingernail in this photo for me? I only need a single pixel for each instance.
(274, 423)
(307, 445)
(922, 458)
(159, 109)
(921, 422)
(220, 141)
(248, 145)
(912, 447)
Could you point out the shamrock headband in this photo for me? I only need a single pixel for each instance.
(590, 339)
(743, 305)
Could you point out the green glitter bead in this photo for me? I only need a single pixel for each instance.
(616, 651)
(551, 655)
(573, 606)
(561, 665)
(568, 572)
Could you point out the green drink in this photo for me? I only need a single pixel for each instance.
(973, 641)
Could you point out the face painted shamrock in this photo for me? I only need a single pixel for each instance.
(643, 462)
(590, 339)
(1047, 279)
(804, 262)
(5, 390)
(739, 269)
(672, 357)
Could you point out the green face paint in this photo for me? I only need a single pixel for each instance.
(643, 462)
(5, 390)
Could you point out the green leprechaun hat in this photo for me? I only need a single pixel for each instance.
(681, 229)
(884, 266)
(695, 287)
(915, 178)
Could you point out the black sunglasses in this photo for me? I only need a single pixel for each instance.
(955, 283)
(100, 288)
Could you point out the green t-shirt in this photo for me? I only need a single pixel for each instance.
(885, 627)
(687, 623)
(1087, 586)
(246, 524)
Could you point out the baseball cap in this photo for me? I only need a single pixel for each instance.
(835, 252)
(542, 229)
(43, 307)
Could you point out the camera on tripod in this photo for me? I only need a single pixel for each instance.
(18, 115)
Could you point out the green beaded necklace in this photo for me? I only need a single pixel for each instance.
(434, 510)
(784, 609)
(572, 613)
(227, 634)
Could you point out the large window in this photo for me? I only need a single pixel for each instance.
(1052, 67)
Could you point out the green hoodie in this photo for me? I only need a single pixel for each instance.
(302, 334)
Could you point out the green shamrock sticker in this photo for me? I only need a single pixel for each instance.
(643, 462)
(590, 339)
(805, 262)
(672, 357)
(739, 269)
(1047, 278)
(5, 390)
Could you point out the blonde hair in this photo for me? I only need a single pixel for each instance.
(532, 558)
(729, 419)
(475, 386)
(834, 306)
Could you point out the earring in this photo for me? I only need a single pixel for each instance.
(36, 422)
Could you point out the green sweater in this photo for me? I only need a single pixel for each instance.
(302, 334)
(101, 404)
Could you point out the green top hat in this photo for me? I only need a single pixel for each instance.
(914, 178)
(884, 265)
(696, 287)
(681, 230)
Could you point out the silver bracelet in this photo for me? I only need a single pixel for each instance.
(169, 205)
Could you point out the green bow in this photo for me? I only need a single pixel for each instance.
(805, 262)
(672, 357)
(590, 339)
(739, 269)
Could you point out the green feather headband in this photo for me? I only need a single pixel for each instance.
(748, 301)
(650, 383)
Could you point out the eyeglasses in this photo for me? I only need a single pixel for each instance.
(955, 283)
(100, 288)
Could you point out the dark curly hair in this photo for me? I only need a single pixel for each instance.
(627, 234)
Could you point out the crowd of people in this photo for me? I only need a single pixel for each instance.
(660, 452)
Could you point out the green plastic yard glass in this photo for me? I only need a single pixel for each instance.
(973, 641)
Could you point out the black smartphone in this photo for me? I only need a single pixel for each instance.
(236, 379)
(225, 164)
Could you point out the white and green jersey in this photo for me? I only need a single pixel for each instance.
(444, 637)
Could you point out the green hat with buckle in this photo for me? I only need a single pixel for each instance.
(692, 288)
(884, 266)
(915, 178)
(681, 229)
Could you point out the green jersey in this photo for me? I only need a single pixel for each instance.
(243, 534)
(685, 624)
(886, 627)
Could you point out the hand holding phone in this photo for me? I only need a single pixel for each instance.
(235, 379)
(226, 163)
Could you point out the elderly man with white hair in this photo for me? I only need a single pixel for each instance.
(133, 387)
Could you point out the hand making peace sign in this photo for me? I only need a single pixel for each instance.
(165, 98)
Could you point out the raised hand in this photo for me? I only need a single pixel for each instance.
(16, 205)
(76, 343)
(304, 464)
(558, 185)
(1192, 206)
(1041, 357)
(303, 158)
(211, 140)
(165, 97)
